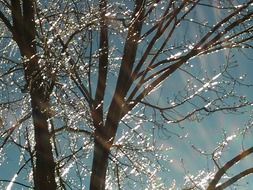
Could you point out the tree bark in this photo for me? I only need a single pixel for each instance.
(45, 165)
(101, 140)
(99, 165)
(24, 30)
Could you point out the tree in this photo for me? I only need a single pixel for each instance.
(91, 69)
(23, 30)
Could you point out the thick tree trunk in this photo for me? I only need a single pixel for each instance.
(24, 30)
(99, 165)
(45, 165)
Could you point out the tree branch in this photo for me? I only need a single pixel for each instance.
(235, 179)
(228, 165)
(97, 111)
(6, 21)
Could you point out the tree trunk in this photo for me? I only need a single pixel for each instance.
(24, 33)
(45, 165)
(100, 163)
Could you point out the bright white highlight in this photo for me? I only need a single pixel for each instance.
(11, 183)
(66, 171)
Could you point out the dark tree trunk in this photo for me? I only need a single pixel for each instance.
(103, 140)
(99, 165)
(24, 30)
(45, 165)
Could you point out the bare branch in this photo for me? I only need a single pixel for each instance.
(235, 179)
(228, 165)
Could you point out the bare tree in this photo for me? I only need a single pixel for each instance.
(91, 69)
(142, 72)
